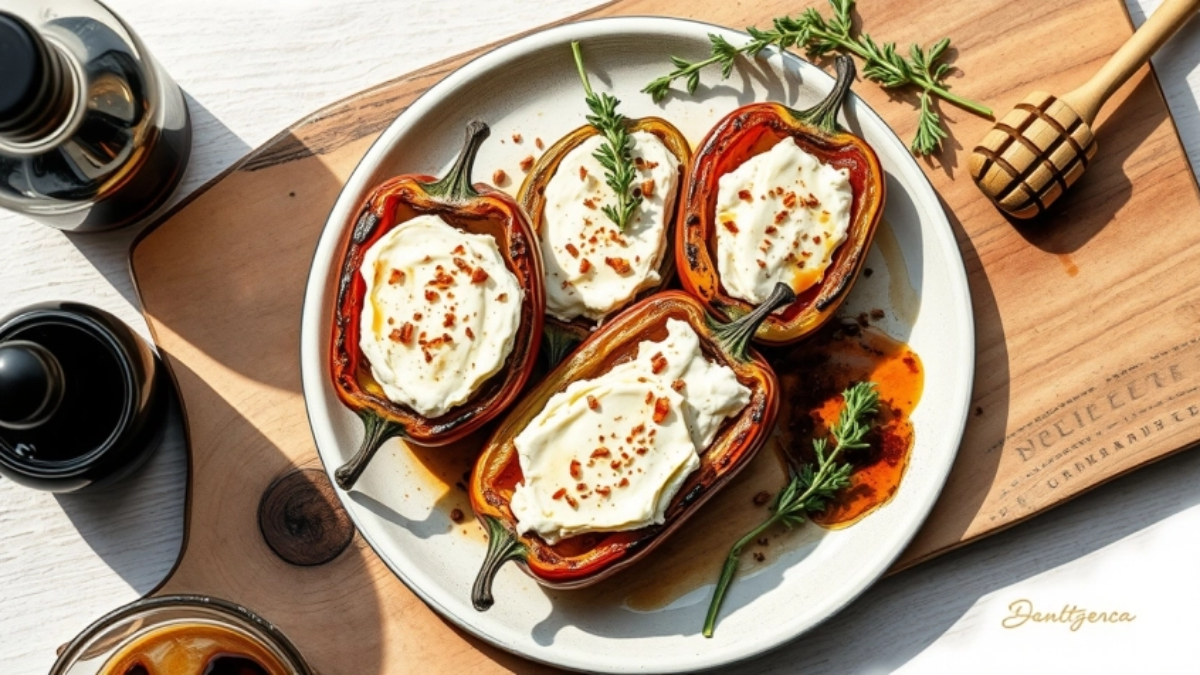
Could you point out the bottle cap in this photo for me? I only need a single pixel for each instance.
(23, 60)
(31, 384)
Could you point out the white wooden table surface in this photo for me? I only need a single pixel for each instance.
(251, 67)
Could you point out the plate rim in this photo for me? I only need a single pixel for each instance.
(321, 266)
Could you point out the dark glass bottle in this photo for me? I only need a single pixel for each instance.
(83, 399)
(94, 134)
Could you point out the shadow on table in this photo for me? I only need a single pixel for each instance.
(910, 611)
(114, 520)
(214, 147)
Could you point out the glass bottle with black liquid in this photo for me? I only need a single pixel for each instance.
(94, 134)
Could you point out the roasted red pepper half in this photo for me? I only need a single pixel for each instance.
(478, 209)
(562, 336)
(752, 130)
(586, 558)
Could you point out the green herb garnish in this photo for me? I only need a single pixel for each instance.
(819, 37)
(615, 155)
(809, 489)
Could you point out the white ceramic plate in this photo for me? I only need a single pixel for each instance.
(531, 86)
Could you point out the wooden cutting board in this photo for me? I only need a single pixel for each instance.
(1088, 353)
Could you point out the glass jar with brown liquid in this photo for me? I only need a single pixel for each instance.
(181, 635)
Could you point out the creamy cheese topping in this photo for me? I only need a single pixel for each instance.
(780, 216)
(608, 454)
(440, 314)
(593, 268)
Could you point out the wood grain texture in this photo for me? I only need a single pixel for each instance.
(1026, 285)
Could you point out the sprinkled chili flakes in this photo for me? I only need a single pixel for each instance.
(662, 406)
(648, 188)
(593, 404)
(789, 200)
(678, 385)
(527, 163)
(583, 173)
(503, 297)
(479, 276)
(585, 266)
(600, 452)
(538, 142)
(745, 196)
(441, 279)
(499, 177)
(589, 203)
(470, 333)
(576, 469)
(572, 249)
(517, 138)
(624, 483)
(397, 277)
(432, 296)
(780, 217)
(730, 225)
(658, 363)
(619, 265)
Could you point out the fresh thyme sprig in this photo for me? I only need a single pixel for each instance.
(820, 36)
(809, 489)
(615, 155)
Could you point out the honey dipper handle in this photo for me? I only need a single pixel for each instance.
(1161, 25)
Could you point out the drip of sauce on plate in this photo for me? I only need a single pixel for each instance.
(446, 471)
(812, 375)
(818, 371)
(904, 301)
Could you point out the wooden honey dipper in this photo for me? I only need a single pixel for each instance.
(1042, 146)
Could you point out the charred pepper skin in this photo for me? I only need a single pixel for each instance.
(751, 130)
(472, 208)
(587, 558)
(562, 336)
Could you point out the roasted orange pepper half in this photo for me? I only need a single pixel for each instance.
(586, 558)
(562, 336)
(477, 209)
(754, 129)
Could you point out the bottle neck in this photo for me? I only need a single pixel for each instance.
(44, 95)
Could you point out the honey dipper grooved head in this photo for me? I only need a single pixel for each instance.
(1032, 155)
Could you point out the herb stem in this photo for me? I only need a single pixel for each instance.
(807, 491)
(727, 571)
(818, 35)
(615, 155)
(577, 52)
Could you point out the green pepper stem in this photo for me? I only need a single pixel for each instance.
(731, 565)
(378, 430)
(735, 336)
(559, 342)
(455, 186)
(824, 114)
(502, 547)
